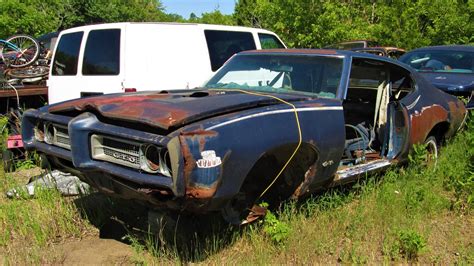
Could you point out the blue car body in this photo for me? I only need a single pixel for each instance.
(221, 148)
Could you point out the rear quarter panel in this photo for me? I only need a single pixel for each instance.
(427, 107)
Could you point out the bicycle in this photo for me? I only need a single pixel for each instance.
(19, 51)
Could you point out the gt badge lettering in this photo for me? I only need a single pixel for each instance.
(209, 160)
(328, 163)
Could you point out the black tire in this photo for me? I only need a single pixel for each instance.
(432, 148)
(20, 51)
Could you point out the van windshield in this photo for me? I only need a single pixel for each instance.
(315, 75)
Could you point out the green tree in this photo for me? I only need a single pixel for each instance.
(404, 23)
(214, 17)
(30, 17)
(36, 17)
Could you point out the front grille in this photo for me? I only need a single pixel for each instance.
(123, 152)
(60, 137)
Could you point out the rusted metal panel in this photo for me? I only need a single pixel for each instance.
(167, 110)
(202, 176)
(302, 189)
(8, 92)
(424, 120)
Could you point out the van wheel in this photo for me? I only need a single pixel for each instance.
(431, 150)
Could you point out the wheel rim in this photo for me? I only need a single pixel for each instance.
(432, 151)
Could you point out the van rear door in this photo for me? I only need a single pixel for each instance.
(87, 63)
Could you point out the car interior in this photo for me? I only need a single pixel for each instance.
(373, 85)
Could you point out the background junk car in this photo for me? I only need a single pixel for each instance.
(391, 52)
(270, 125)
(449, 68)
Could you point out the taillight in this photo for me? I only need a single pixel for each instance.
(130, 90)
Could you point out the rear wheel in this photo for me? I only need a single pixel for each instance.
(431, 145)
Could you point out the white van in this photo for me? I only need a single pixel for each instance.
(123, 57)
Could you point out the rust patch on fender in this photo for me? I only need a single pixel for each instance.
(422, 122)
(199, 192)
(201, 136)
(308, 179)
(188, 140)
(189, 161)
(200, 132)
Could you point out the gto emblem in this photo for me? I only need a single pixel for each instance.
(124, 157)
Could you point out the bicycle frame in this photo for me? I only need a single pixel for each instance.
(10, 45)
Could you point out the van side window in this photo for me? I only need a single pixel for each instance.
(102, 53)
(67, 54)
(223, 44)
(269, 41)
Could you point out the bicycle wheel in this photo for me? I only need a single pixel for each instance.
(20, 51)
(30, 72)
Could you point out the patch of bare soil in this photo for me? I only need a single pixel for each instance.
(95, 251)
(24, 175)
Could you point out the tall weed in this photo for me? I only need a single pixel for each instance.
(460, 176)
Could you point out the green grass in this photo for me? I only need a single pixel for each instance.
(29, 225)
(411, 214)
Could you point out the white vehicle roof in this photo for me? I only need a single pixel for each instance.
(168, 24)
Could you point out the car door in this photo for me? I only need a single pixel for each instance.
(402, 87)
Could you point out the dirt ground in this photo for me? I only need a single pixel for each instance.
(95, 251)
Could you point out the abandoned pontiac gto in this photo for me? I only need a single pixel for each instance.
(269, 125)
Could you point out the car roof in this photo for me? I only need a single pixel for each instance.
(323, 52)
(380, 48)
(466, 48)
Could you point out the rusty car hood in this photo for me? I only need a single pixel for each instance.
(168, 109)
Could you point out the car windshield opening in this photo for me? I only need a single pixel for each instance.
(314, 75)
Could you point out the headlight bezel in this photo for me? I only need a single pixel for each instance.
(155, 159)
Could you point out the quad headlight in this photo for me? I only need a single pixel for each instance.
(155, 159)
(39, 132)
(49, 133)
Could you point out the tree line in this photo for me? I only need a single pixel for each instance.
(303, 23)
